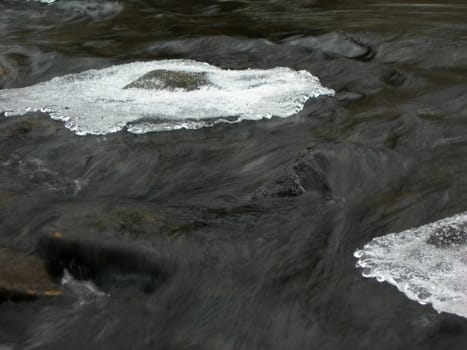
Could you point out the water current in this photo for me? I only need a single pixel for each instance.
(303, 185)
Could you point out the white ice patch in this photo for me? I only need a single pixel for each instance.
(45, 1)
(95, 101)
(428, 264)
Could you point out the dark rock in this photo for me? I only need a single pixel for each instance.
(337, 168)
(32, 126)
(165, 79)
(105, 262)
(393, 77)
(298, 179)
(336, 45)
(24, 277)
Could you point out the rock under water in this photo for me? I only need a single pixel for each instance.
(24, 277)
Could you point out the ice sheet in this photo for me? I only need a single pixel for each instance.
(428, 264)
(95, 101)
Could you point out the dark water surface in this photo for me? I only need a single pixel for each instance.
(236, 236)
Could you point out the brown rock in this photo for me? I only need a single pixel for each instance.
(171, 80)
(24, 276)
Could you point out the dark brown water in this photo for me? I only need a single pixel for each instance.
(236, 236)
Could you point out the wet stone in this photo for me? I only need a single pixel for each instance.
(337, 45)
(288, 185)
(449, 236)
(105, 262)
(393, 77)
(336, 168)
(166, 79)
(299, 178)
(24, 277)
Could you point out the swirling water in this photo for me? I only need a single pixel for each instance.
(240, 235)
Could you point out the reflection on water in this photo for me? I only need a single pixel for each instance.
(114, 27)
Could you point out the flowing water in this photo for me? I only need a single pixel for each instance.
(240, 235)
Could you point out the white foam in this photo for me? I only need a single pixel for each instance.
(94, 101)
(85, 291)
(428, 264)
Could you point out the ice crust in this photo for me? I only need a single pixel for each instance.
(45, 1)
(95, 101)
(428, 264)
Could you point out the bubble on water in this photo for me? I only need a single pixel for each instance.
(101, 102)
(358, 253)
(380, 278)
(428, 264)
(366, 272)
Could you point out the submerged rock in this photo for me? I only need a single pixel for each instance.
(107, 263)
(338, 169)
(393, 77)
(336, 45)
(166, 79)
(24, 277)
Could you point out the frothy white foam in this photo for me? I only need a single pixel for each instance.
(85, 291)
(95, 101)
(428, 264)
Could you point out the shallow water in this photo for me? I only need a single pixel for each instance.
(237, 236)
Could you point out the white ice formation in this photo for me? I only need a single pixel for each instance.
(428, 264)
(46, 1)
(96, 102)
